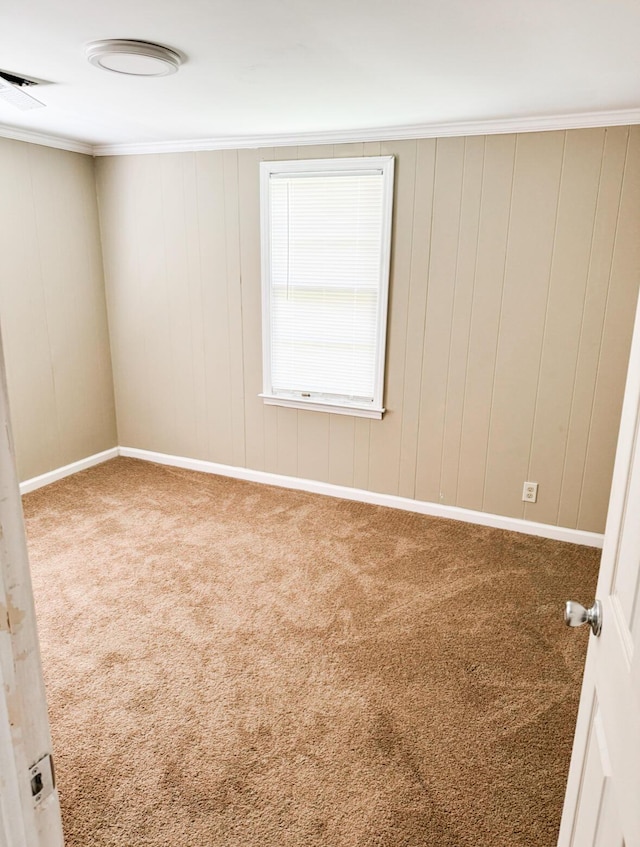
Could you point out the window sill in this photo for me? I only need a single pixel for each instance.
(324, 406)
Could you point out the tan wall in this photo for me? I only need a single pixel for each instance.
(52, 308)
(515, 272)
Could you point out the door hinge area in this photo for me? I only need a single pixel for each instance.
(43, 779)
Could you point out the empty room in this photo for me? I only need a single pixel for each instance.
(320, 397)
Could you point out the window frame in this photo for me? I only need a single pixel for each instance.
(385, 164)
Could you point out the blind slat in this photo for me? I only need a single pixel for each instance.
(325, 277)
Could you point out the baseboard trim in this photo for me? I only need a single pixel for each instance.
(558, 533)
(59, 473)
(360, 495)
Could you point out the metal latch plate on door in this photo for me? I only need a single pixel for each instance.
(43, 780)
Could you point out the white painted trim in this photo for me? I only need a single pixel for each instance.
(59, 473)
(559, 533)
(24, 725)
(583, 120)
(499, 126)
(46, 140)
(360, 495)
(270, 173)
(328, 406)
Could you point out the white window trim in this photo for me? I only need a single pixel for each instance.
(360, 164)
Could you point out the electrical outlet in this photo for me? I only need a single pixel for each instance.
(530, 492)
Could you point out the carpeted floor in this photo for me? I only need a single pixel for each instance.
(235, 665)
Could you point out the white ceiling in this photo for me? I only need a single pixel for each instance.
(282, 68)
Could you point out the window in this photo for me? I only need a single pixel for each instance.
(326, 236)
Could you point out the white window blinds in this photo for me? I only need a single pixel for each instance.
(326, 232)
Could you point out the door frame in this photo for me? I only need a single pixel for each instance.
(25, 737)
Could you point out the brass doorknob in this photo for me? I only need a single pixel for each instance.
(576, 615)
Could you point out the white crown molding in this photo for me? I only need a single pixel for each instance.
(46, 140)
(586, 120)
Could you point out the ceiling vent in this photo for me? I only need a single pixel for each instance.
(12, 91)
(133, 58)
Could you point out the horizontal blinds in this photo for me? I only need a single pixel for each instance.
(325, 253)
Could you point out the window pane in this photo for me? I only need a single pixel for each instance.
(324, 340)
(326, 234)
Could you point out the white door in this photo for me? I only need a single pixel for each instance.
(602, 803)
(29, 806)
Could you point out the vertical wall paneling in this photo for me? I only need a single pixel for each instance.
(342, 435)
(362, 427)
(282, 453)
(463, 284)
(215, 303)
(418, 287)
(338, 151)
(514, 275)
(623, 291)
(563, 318)
(52, 308)
(197, 411)
(249, 216)
(445, 228)
(88, 421)
(597, 288)
(30, 376)
(384, 442)
(155, 318)
(310, 151)
(234, 306)
(61, 258)
(313, 445)
(495, 211)
(531, 236)
(180, 335)
(118, 190)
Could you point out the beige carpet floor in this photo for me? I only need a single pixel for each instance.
(235, 665)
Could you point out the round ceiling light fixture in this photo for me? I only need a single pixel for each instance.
(134, 58)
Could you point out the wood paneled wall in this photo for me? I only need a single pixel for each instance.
(515, 271)
(52, 308)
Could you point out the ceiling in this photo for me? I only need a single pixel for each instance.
(294, 69)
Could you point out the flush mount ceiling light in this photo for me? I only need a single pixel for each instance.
(135, 58)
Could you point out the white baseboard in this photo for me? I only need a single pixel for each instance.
(59, 473)
(558, 533)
